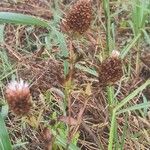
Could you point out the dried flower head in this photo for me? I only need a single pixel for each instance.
(80, 16)
(18, 97)
(110, 70)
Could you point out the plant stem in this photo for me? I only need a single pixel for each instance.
(138, 58)
(112, 130)
(110, 92)
(108, 25)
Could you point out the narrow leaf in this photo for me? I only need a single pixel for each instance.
(2, 33)
(4, 111)
(87, 69)
(135, 107)
(16, 18)
(4, 137)
(129, 46)
(132, 95)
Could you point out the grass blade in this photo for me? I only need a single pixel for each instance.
(132, 95)
(122, 103)
(108, 25)
(63, 142)
(124, 133)
(4, 137)
(86, 69)
(129, 46)
(16, 18)
(147, 36)
(135, 107)
(112, 131)
(2, 33)
(4, 111)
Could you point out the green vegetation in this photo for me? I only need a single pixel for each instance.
(40, 51)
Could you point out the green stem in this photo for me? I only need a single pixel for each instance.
(110, 92)
(108, 25)
(138, 58)
(112, 130)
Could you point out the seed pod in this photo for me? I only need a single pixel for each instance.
(18, 97)
(110, 70)
(80, 16)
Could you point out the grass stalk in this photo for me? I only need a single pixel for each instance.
(121, 104)
(110, 92)
(138, 59)
(108, 25)
(112, 130)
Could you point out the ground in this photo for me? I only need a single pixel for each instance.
(64, 86)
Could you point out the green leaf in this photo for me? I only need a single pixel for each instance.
(127, 48)
(124, 134)
(2, 33)
(86, 69)
(66, 67)
(112, 130)
(4, 137)
(147, 36)
(145, 101)
(62, 42)
(121, 104)
(63, 142)
(132, 95)
(135, 107)
(16, 18)
(4, 111)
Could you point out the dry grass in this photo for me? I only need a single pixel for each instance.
(29, 57)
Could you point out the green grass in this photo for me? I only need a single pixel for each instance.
(139, 19)
(120, 105)
(4, 137)
(137, 24)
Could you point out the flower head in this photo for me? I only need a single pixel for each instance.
(18, 97)
(110, 70)
(80, 16)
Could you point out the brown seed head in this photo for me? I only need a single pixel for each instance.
(80, 16)
(18, 97)
(110, 70)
